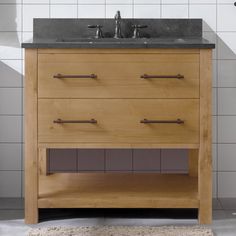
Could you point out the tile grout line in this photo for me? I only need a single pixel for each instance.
(217, 112)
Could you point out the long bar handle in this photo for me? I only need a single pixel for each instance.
(146, 76)
(60, 76)
(60, 121)
(146, 121)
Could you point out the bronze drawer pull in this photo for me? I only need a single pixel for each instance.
(145, 76)
(60, 121)
(60, 76)
(146, 121)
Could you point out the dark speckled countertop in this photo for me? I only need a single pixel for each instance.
(161, 33)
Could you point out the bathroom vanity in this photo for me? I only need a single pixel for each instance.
(148, 92)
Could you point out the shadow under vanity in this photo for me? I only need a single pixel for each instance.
(100, 111)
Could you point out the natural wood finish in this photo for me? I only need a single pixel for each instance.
(205, 159)
(118, 99)
(193, 155)
(118, 76)
(118, 145)
(43, 161)
(31, 137)
(119, 120)
(118, 51)
(118, 191)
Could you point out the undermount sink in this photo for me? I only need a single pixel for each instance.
(121, 40)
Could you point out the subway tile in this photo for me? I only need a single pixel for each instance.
(91, 1)
(10, 156)
(212, 37)
(91, 11)
(145, 11)
(63, 11)
(7, 215)
(91, 159)
(202, 11)
(118, 159)
(11, 203)
(10, 182)
(174, 2)
(214, 157)
(147, 2)
(12, 18)
(146, 159)
(175, 11)
(214, 185)
(226, 45)
(10, 47)
(226, 184)
(64, 1)
(226, 73)
(11, 1)
(126, 11)
(225, 1)
(227, 129)
(214, 129)
(214, 101)
(62, 160)
(226, 101)
(10, 127)
(119, 1)
(11, 101)
(202, 1)
(228, 203)
(33, 11)
(37, 1)
(10, 71)
(226, 18)
(216, 205)
(226, 157)
(174, 159)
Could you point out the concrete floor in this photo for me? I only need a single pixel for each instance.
(12, 214)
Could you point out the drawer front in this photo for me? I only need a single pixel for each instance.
(118, 75)
(118, 121)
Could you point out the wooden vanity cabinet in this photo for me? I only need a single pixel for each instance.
(118, 98)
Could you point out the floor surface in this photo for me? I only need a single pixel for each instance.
(12, 214)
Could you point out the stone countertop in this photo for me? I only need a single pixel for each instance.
(160, 33)
(200, 43)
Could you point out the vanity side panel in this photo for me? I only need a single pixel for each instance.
(31, 137)
(205, 152)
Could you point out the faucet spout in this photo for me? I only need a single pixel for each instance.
(118, 34)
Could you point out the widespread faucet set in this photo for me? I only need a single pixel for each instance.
(118, 33)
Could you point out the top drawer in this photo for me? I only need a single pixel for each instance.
(118, 75)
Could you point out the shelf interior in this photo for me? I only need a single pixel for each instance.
(117, 190)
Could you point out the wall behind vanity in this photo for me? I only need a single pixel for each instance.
(220, 27)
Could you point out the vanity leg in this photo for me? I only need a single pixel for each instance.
(31, 140)
(205, 152)
(193, 162)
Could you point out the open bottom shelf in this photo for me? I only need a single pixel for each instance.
(116, 190)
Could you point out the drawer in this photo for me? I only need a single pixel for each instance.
(118, 75)
(118, 121)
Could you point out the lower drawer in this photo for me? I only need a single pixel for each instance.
(118, 120)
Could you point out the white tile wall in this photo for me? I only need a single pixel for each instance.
(219, 26)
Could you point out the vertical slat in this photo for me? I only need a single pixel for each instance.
(205, 159)
(193, 162)
(43, 161)
(31, 152)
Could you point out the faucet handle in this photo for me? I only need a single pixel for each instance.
(136, 30)
(99, 33)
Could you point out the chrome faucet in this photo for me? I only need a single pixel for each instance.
(118, 34)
